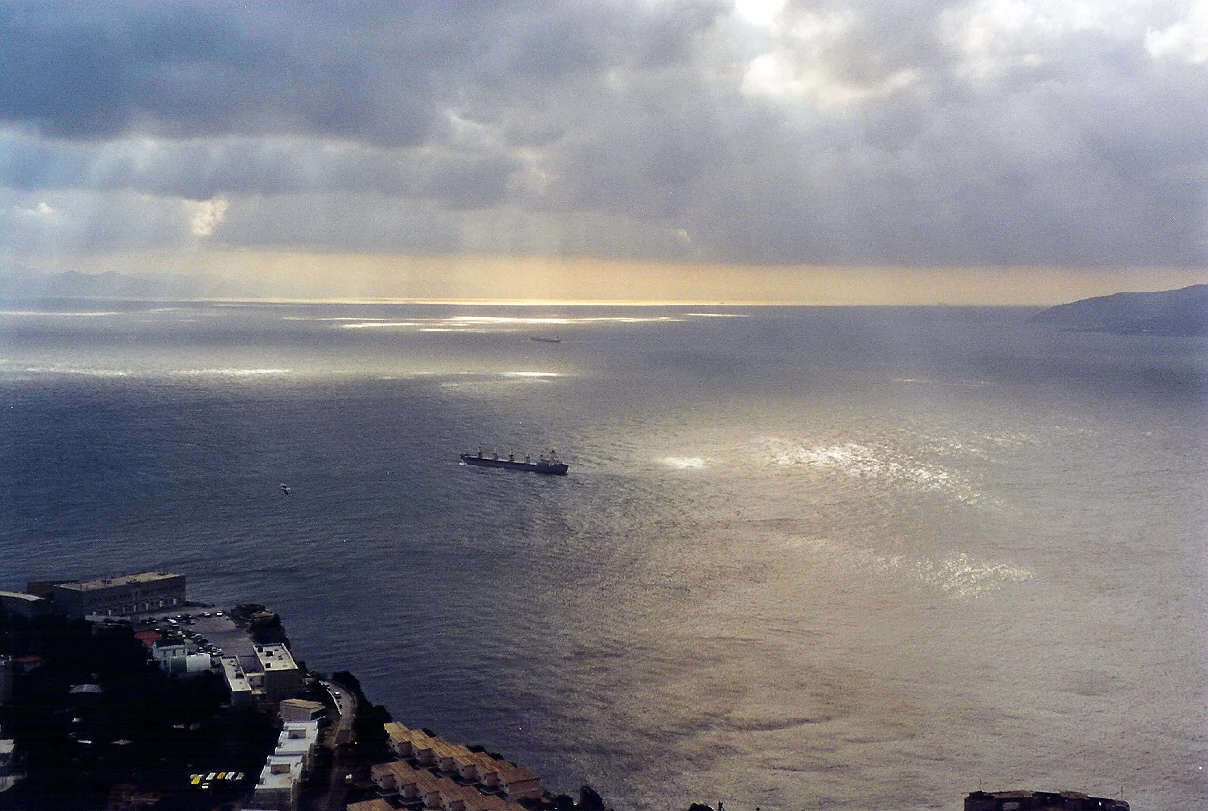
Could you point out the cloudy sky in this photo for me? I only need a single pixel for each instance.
(823, 151)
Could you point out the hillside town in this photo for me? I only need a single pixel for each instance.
(121, 693)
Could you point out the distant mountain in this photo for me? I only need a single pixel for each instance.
(1182, 312)
(110, 285)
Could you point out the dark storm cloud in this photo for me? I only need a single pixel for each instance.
(91, 71)
(975, 132)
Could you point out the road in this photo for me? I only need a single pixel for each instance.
(339, 738)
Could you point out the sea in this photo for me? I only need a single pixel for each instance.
(805, 558)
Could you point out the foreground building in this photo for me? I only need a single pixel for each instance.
(281, 678)
(451, 776)
(300, 710)
(7, 762)
(119, 596)
(301, 739)
(412, 784)
(1040, 801)
(19, 604)
(279, 784)
(237, 682)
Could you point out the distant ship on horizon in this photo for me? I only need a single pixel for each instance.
(550, 465)
(545, 339)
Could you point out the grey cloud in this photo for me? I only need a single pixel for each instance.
(879, 40)
(199, 169)
(79, 221)
(346, 222)
(99, 70)
(609, 127)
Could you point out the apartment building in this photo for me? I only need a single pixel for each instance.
(413, 784)
(279, 783)
(488, 773)
(282, 676)
(120, 596)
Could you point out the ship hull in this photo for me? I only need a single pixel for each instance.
(544, 467)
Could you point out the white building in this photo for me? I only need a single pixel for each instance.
(282, 677)
(283, 772)
(237, 682)
(198, 663)
(8, 773)
(170, 655)
(299, 709)
(279, 783)
(299, 739)
(7, 748)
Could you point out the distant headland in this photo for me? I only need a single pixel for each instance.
(1175, 313)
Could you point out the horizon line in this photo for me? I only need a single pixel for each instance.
(490, 302)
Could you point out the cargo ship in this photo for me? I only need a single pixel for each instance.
(549, 465)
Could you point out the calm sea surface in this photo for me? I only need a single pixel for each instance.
(805, 558)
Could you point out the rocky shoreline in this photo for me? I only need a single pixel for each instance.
(93, 717)
(97, 721)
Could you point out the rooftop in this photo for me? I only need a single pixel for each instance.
(20, 597)
(275, 656)
(280, 771)
(120, 580)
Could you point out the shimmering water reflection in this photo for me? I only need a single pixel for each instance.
(855, 559)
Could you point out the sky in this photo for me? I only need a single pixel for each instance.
(832, 151)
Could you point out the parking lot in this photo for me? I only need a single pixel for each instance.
(205, 631)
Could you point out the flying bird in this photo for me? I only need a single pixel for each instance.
(285, 489)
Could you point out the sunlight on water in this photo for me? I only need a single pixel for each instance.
(684, 462)
(59, 314)
(772, 577)
(984, 446)
(489, 323)
(956, 576)
(357, 319)
(379, 324)
(861, 461)
(963, 576)
(507, 320)
(560, 320)
(479, 384)
(66, 369)
(231, 372)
